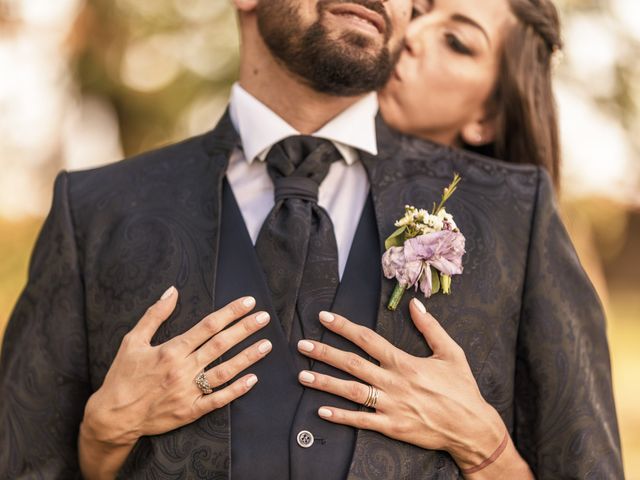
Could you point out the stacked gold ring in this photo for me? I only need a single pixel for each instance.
(372, 397)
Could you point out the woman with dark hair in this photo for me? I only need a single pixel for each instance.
(478, 75)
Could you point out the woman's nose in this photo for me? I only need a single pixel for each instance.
(414, 37)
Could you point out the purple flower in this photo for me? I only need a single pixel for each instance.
(411, 263)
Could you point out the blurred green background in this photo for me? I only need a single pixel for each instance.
(87, 82)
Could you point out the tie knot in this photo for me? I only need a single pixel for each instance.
(298, 165)
(299, 147)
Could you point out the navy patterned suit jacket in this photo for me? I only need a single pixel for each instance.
(523, 310)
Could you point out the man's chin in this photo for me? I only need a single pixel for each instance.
(355, 47)
(363, 43)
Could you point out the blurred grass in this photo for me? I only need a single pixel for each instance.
(624, 338)
(17, 240)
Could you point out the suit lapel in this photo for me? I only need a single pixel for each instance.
(383, 170)
(219, 145)
(395, 180)
(402, 460)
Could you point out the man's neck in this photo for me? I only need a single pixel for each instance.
(286, 94)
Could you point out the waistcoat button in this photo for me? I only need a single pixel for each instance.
(305, 439)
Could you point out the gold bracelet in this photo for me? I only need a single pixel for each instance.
(494, 456)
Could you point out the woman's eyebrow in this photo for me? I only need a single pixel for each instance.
(457, 17)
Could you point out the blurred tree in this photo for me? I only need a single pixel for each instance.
(166, 65)
(602, 42)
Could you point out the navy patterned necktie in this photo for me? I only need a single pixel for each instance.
(297, 245)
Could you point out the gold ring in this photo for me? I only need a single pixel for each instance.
(203, 383)
(372, 397)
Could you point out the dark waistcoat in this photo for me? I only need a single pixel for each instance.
(265, 423)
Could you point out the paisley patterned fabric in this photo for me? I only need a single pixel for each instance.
(523, 310)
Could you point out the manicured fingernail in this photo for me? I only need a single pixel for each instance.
(262, 318)
(326, 317)
(419, 305)
(251, 381)
(305, 346)
(325, 412)
(249, 302)
(306, 377)
(264, 347)
(169, 293)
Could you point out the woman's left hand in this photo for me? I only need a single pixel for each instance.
(431, 402)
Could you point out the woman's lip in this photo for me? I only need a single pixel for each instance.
(362, 12)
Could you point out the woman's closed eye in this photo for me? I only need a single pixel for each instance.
(457, 45)
(420, 7)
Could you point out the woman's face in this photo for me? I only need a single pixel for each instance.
(446, 75)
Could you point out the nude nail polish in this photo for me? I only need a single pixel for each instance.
(169, 293)
(262, 318)
(325, 412)
(307, 377)
(305, 346)
(264, 347)
(327, 317)
(419, 305)
(249, 302)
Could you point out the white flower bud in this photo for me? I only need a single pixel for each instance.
(435, 223)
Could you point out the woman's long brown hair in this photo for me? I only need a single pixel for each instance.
(526, 117)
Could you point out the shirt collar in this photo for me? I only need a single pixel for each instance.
(260, 128)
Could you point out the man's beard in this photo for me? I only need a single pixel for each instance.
(340, 66)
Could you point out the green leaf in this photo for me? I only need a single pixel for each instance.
(395, 239)
(445, 280)
(435, 281)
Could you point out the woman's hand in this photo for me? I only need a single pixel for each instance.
(150, 390)
(432, 402)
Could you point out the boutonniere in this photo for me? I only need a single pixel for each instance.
(425, 250)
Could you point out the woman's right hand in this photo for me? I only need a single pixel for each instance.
(150, 390)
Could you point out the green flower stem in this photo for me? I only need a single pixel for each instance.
(447, 193)
(396, 296)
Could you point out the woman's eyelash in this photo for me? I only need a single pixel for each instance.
(456, 45)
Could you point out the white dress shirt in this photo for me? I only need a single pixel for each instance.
(342, 193)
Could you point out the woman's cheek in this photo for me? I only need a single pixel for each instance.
(439, 94)
(462, 85)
